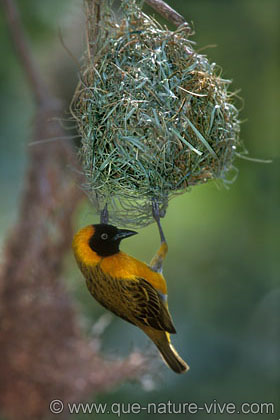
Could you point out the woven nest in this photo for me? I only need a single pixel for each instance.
(155, 117)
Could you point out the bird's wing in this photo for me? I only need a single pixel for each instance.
(146, 304)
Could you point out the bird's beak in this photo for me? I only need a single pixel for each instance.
(124, 233)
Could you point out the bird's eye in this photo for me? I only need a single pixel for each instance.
(104, 236)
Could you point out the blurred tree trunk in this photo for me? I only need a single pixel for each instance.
(43, 352)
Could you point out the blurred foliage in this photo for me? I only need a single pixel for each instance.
(223, 265)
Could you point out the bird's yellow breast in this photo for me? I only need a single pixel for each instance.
(119, 265)
(124, 266)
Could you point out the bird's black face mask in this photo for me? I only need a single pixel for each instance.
(106, 239)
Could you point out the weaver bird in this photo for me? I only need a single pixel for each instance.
(129, 288)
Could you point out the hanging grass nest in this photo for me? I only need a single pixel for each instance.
(155, 117)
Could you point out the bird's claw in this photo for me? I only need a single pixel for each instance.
(104, 215)
(156, 211)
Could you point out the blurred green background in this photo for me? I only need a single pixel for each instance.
(224, 262)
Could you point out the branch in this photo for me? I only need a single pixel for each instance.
(168, 13)
(93, 14)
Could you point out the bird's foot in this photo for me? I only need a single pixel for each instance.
(156, 211)
(104, 215)
(157, 214)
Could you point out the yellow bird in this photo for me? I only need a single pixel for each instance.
(129, 288)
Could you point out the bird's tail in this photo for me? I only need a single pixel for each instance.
(171, 357)
(168, 352)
